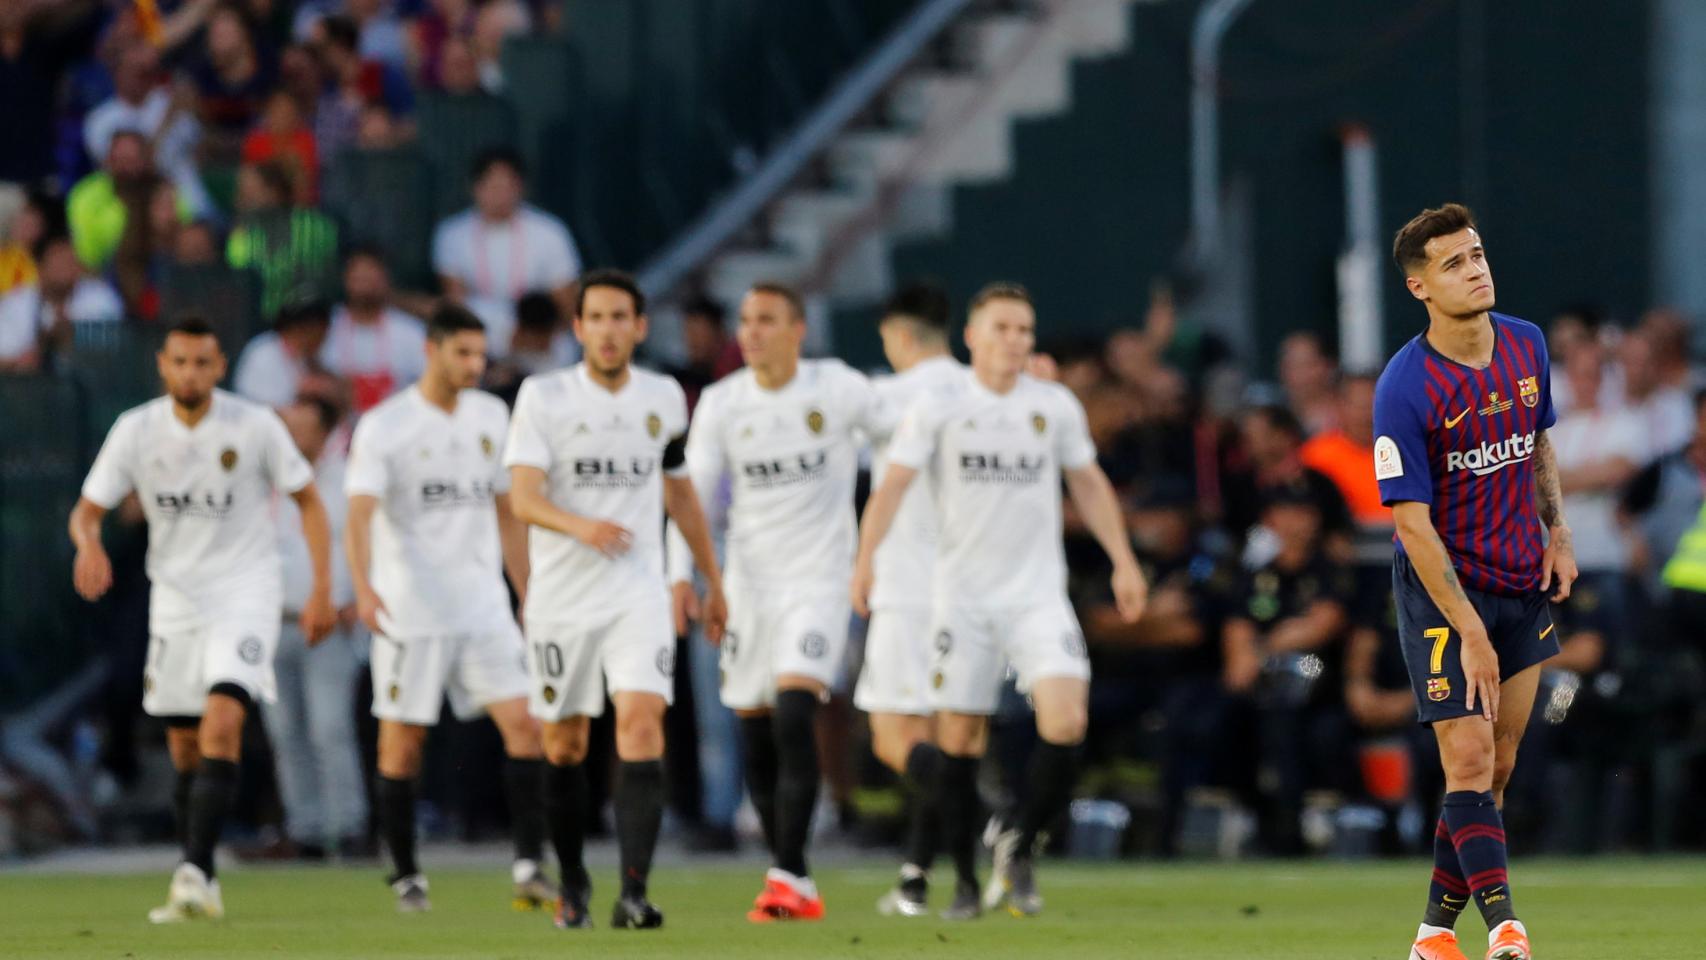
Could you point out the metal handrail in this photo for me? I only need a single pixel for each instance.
(728, 216)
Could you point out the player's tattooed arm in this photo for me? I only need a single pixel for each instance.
(1559, 562)
(1432, 561)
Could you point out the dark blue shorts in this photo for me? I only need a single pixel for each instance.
(1519, 627)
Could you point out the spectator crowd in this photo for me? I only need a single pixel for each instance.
(160, 150)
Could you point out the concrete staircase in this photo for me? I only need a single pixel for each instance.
(942, 124)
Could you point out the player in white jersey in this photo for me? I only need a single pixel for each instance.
(786, 431)
(429, 535)
(996, 451)
(596, 454)
(205, 465)
(894, 680)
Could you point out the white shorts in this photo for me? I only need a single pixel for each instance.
(570, 664)
(185, 663)
(896, 675)
(773, 633)
(413, 675)
(973, 647)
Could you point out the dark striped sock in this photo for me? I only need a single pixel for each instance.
(1478, 833)
(1448, 893)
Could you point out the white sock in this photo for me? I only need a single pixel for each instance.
(523, 869)
(801, 885)
(1493, 934)
(1429, 930)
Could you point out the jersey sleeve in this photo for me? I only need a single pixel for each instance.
(368, 474)
(915, 439)
(1072, 445)
(499, 435)
(1400, 442)
(287, 468)
(675, 430)
(527, 446)
(872, 413)
(705, 463)
(1548, 414)
(113, 475)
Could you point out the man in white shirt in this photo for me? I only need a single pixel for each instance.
(142, 104)
(996, 450)
(894, 681)
(596, 454)
(37, 321)
(275, 364)
(786, 431)
(378, 348)
(205, 465)
(311, 725)
(1665, 411)
(490, 255)
(430, 536)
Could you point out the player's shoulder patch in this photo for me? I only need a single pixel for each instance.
(1388, 462)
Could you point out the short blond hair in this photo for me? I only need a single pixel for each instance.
(1000, 290)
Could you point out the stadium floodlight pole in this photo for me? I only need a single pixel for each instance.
(1212, 21)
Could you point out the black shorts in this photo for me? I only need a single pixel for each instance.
(1520, 629)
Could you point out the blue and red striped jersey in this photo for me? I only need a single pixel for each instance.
(1462, 441)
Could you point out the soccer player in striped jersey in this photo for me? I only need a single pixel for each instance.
(1462, 457)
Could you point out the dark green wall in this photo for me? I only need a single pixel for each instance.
(1547, 140)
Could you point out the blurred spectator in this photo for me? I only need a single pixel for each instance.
(38, 39)
(379, 130)
(1665, 499)
(196, 245)
(163, 116)
(1680, 539)
(232, 78)
(1664, 411)
(487, 257)
(1272, 441)
(293, 249)
(109, 209)
(300, 74)
(378, 348)
(1345, 454)
(33, 220)
(1397, 757)
(37, 320)
(1307, 373)
(275, 364)
(534, 348)
(311, 724)
(711, 353)
(1576, 327)
(459, 71)
(1599, 451)
(283, 136)
(445, 22)
(1280, 651)
(494, 22)
(352, 84)
(1670, 330)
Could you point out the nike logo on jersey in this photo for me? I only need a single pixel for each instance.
(1454, 421)
(1492, 457)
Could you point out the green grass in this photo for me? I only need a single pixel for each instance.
(1574, 909)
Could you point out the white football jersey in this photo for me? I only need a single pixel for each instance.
(437, 563)
(207, 493)
(792, 458)
(603, 455)
(904, 563)
(995, 462)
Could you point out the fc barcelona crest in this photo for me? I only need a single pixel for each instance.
(1039, 423)
(228, 459)
(654, 425)
(1439, 688)
(814, 421)
(1528, 388)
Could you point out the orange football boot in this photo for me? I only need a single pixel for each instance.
(1440, 946)
(779, 901)
(1510, 942)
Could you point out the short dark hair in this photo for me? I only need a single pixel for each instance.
(496, 157)
(342, 31)
(777, 288)
(300, 313)
(365, 251)
(278, 179)
(193, 325)
(52, 238)
(325, 411)
(1000, 290)
(703, 306)
(449, 319)
(536, 311)
(1279, 418)
(614, 279)
(923, 303)
(1409, 247)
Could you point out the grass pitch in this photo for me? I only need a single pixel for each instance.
(1575, 910)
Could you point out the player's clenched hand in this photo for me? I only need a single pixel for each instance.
(859, 591)
(1481, 671)
(1559, 562)
(1131, 592)
(368, 607)
(610, 539)
(318, 617)
(92, 573)
(716, 614)
(686, 607)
